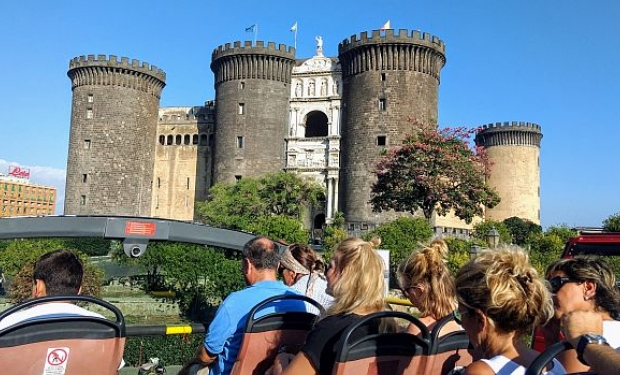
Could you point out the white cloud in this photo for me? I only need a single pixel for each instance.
(41, 175)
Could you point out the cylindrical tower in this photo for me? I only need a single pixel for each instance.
(112, 139)
(252, 91)
(390, 88)
(514, 154)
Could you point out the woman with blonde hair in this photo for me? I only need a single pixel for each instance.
(583, 284)
(355, 280)
(425, 280)
(501, 298)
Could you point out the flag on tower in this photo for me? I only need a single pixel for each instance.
(294, 27)
(250, 29)
(386, 26)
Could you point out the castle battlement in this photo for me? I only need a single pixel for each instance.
(113, 62)
(390, 36)
(248, 47)
(509, 133)
(514, 125)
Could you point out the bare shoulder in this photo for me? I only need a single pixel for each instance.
(479, 368)
(300, 365)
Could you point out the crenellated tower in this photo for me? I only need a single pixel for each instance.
(252, 92)
(113, 128)
(390, 87)
(514, 153)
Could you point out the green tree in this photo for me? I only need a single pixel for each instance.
(401, 237)
(458, 253)
(280, 228)
(520, 229)
(241, 205)
(18, 258)
(434, 171)
(545, 248)
(482, 229)
(201, 277)
(334, 234)
(612, 223)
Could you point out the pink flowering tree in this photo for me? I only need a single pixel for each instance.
(435, 171)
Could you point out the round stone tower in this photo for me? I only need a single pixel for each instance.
(390, 88)
(514, 152)
(113, 128)
(252, 91)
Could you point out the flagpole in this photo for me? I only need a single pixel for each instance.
(295, 36)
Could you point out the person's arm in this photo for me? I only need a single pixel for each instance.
(603, 359)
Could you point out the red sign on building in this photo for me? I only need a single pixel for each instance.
(19, 172)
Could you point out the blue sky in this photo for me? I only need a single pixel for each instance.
(555, 63)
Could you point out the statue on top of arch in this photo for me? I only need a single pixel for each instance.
(319, 45)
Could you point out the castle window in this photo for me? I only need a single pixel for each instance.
(237, 178)
(187, 184)
(364, 226)
(90, 98)
(178, 139)
(382, 76)
(87, 144)
(382, 104)
(381, 140)
(158, 182)
(195, 139)
(351, 226)
(186, 139)
(203, 139)
(162, 139)
(169, 140)
(82, 200)
(241, 85)
(89, 113)
(239, 142)
(242, 108)
(186, 201)
(84, 178)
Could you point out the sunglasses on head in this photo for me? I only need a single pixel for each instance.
(557, 282)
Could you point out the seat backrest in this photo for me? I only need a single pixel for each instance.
(265, 335)
(383, 353)
(447, 352)
(63, 344)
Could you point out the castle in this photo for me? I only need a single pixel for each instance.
(329, 118)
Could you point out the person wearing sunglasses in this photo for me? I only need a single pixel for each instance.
(501, 298)
(425, 280)
(586, 284)
(355, 280)
(302, 270)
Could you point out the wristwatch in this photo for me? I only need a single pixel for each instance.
(585, 340)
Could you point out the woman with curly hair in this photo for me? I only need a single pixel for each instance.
(425, 280)
(501, 298)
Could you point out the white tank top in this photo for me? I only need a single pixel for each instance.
(504, 366)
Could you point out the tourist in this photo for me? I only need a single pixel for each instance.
(588, 284)
(355, 280)
(501, 298)
(425, 280)
(223, 339)
(302, 270)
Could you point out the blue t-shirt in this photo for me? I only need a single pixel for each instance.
(226, 330)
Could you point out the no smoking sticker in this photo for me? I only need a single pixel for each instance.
(56, 361)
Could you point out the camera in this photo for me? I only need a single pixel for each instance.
(134, 248)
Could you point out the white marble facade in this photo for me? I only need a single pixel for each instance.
(315, 93)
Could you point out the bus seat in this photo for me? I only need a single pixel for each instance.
(386, 353)
(265, 335)
(68, 345)
(447, 352)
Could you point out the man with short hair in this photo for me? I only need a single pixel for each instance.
(223, 339)
(55, 273)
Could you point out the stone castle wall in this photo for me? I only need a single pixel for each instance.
(252, 92)
(113, 127)
(390, 88)
(514, 151)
